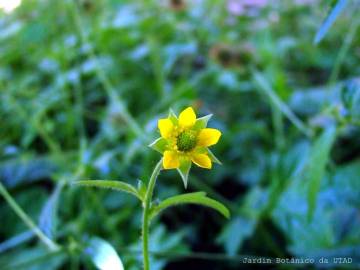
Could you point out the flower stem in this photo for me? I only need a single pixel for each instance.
(146, 214)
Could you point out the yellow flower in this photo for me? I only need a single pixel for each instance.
(185, 140)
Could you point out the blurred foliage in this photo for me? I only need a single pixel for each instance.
(83, 82)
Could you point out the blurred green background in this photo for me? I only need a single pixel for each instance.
(83, 82)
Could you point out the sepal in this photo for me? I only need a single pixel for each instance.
(202, 122)
(159, 145)
(213, 157)
(184, 169)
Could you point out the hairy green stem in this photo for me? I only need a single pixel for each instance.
(146, 214)
(27, 220)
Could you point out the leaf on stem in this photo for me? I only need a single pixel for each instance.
(191, 198)
(115, 185)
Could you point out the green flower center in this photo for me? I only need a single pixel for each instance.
(187, 140)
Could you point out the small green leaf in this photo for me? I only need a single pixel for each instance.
(213, 157)
(103, 255)
(315, 166)
(159, 145)
(202, 122)
(330, 19)
(184, 170)
(191, 198)
(116, 185)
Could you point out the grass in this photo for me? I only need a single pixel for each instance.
(82, 84)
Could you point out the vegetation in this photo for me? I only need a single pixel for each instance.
(83, 84)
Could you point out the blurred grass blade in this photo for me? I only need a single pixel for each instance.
(346, 45)
(157, 65)
(103, 255)
(330, 19)
(265, 87)
(191, 198)
(34, 258)
(115, 185)
(48, 216)
(16, 240)
(27, 220)
(26, 169)
(315, 168)
(232, 237)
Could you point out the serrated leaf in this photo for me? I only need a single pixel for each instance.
(330, 19)
(184, 170)
(115, 185)
(103, 255)
(191, 198)
(159, 145)
(315, 166)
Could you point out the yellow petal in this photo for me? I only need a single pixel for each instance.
(171, 160)
(208, 136)
(187, 118)
(165, 127)
(202, 160)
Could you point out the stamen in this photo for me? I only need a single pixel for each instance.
(186, 140)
